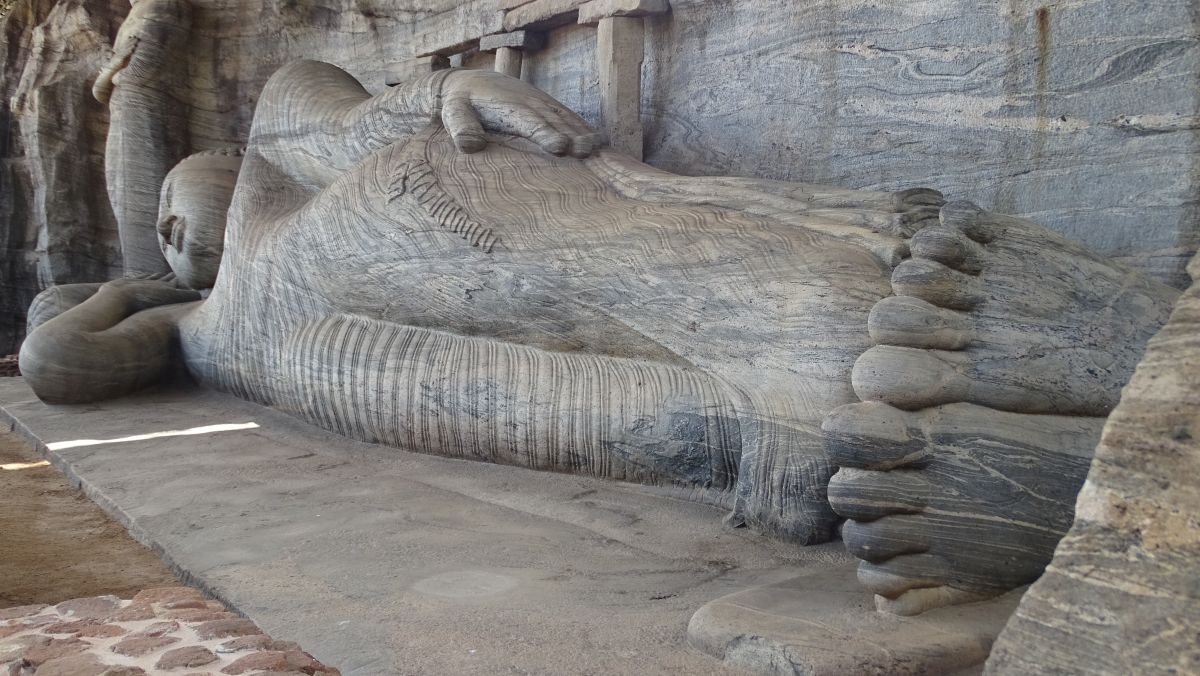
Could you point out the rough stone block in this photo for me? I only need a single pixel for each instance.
(525, 40)
(186, 657)
(592, 12)
(226, 629)
(542, 14)
(98, 607)
(136, 646)
(21, 611)
(455, 28)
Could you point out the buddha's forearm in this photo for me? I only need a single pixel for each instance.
(398, 112)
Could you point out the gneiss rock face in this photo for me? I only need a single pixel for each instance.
(54, 212)
(1121, 594)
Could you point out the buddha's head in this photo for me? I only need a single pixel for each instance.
(191, 215)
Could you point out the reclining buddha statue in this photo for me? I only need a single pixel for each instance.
(457, 267)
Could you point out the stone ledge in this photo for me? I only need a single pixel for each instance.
(528, 41)
(542, 14)
(595, 10)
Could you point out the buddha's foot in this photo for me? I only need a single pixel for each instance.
(956, 503)
(998, 311)
(956, 482)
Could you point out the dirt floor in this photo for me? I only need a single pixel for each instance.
(56, 544)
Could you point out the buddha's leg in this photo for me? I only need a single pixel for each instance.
(483, 399)
(984, 395)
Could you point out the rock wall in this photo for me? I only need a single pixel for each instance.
(55, 220)
(1120, 596)
(1083, 115)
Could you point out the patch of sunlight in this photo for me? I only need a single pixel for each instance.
(14, 466)
(62, 445)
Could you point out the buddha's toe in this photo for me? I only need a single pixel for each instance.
(873, 435)
(915, 197)
(911, 322)
(950, 247)
(887, 537)
(937, 284)
(970, 220)
(867, 495)
(910, 378)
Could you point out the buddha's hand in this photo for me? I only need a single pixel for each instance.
(478, 101)
(143, 294)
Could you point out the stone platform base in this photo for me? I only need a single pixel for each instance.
(379, 561)
(825, 623)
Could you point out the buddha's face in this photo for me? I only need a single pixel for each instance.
(191, 217)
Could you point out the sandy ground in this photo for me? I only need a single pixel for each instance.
(55, 544)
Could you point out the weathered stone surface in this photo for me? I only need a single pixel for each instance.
(90, 608)
(73, 627)
(86, 664)
(157, 629)
(619, 54)
(256, 642)
(595, 10)
(524, 40)
(226, 628)
(39, 649)
(509, 61)
(182, 658)
(275, 661)
(21, 611)
(1120, 595)
(196, 615)
(167, 595)
(542, 14)
(54, 214)
(133, 613)
(137, 646)
(102, 631)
